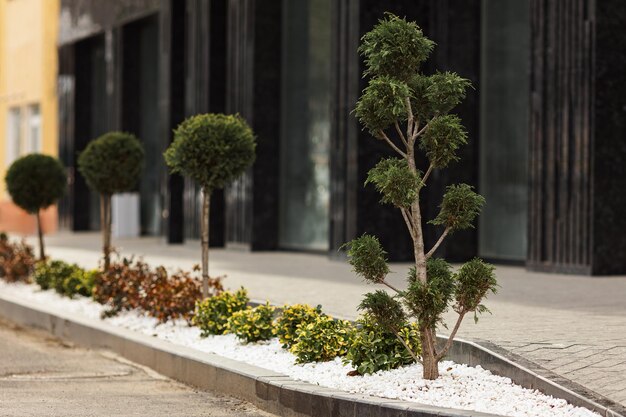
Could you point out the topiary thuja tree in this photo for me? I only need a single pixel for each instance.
(111, 164)
(213, 150)
(35, 182)
(410, 111)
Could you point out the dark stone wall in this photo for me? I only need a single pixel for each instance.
(609, 144)
(577, 130)
(253, 90)
(455, 27)
(172, 106)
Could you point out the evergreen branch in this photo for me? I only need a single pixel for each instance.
(410, 125)
(413, 355)
(395, 148)
(423, 129)
(438, 243)
(427, 174)
(400, 133)
(409, 222)
(382, 281)
(448, 344)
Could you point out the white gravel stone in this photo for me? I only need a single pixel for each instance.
(460, 386)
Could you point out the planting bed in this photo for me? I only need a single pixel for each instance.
(460, 386)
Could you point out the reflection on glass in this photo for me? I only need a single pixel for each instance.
(148, 128)
(504, 129)
(305, 130)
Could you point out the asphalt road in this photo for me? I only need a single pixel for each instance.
(44, 376)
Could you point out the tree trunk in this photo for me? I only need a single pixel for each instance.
(105, 220)
(431, 366)
(42, 254)
(429, 356)
(206, 207)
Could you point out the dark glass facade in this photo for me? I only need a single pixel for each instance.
(291, 68)
(305, 124)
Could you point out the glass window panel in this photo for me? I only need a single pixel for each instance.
(34, 129)
(14, 135)
(305, 118)
(504, 93)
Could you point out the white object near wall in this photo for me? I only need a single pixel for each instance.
(125, 210)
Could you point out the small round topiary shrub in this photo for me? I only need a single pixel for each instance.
(253, 325)
(111, 164)
(213, 150)
(36, 182)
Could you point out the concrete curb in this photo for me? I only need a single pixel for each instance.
(268, 390)
(530, 375)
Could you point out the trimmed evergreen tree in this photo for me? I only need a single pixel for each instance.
(410, 111)
(213, 150)
(35, 182)
(111, 164)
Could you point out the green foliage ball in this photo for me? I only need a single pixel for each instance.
(383, 308)
(444, 136)
(292, 319)
(395, 181)
(460, 206)
(395, 47)
(36, 181)
(212, 313)
(253, 325)
(112, 163)
(475, 279)
(429, 301)
(382, 104)
(368, 258)
(211, 149)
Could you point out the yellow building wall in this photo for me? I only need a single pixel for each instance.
(28, 76)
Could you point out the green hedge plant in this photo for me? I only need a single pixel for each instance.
(374, 348)
(66, 279)
(213, 150)
(253, 325)
(291, 319)
(410, 112)
(35, 182)
(111, 164)
(322, 340)
(212, 313)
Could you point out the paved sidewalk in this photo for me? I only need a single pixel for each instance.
(43, 376)
(572, 325)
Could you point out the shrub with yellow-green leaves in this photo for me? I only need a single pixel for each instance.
(373, 348)
(322, 340)
(253, 325)
(292, 318)
(212, 313)
(66, 279)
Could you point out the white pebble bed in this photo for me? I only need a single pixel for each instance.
(460, 386)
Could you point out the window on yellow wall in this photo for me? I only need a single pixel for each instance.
(34, 129)
(14, 135)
